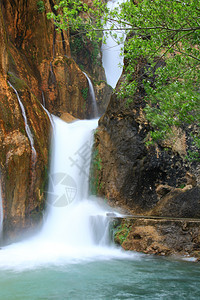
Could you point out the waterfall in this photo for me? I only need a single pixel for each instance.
(70, 212)
(112, 59)
(27, 128)
(92, 94)
(47, 112)
(43, 100)
(75, 225)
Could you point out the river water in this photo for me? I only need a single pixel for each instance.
(141, 277)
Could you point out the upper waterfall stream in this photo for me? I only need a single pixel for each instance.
(27, 128)
(92, 94)
(112, 59)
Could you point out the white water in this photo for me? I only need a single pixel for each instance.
(75, 227)
(112, 59)
(44, 107)
(92, 94)
(27, 128)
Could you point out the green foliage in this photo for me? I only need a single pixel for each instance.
(84, 93)
(182, 186)
(18, 83)
(121, 233)
(40, 6)
(81, 46)
(77, 15)
(95, 170)
(97, 160)
(77, 44)
(165, 35)
(193, 156)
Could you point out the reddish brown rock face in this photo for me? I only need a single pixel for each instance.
(36, 59)
(22, 177)
(40, 55)
(28, 51)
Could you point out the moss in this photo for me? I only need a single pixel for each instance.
(18, 83)
(84, 93)
(121, 232)
(81, 47)
(95, 185)
(45, 177)
(81, 67)
(97, 160)
(12, 64)
(84, 106)
(40, 6)
(68, 60)
(6, 113)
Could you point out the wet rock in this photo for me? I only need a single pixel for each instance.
(111, 214)
(160, 237)
(67, 117)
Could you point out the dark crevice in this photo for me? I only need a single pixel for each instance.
(54, 41)
(52, 7)
(63, 42)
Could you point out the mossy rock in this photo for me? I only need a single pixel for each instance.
(18, 83)
(121, 233)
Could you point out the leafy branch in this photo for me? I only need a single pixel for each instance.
(165, 34)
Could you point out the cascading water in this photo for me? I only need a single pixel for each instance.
(92, 94)
(112, 59)
(27, 128)
(43, 100)
(47, 112)
(76, 226)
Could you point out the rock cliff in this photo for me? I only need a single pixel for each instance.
(40, 55)
(146, 180)
(150, 180)
(36, 59)
(23, 176)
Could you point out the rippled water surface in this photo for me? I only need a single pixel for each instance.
(139, 277)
